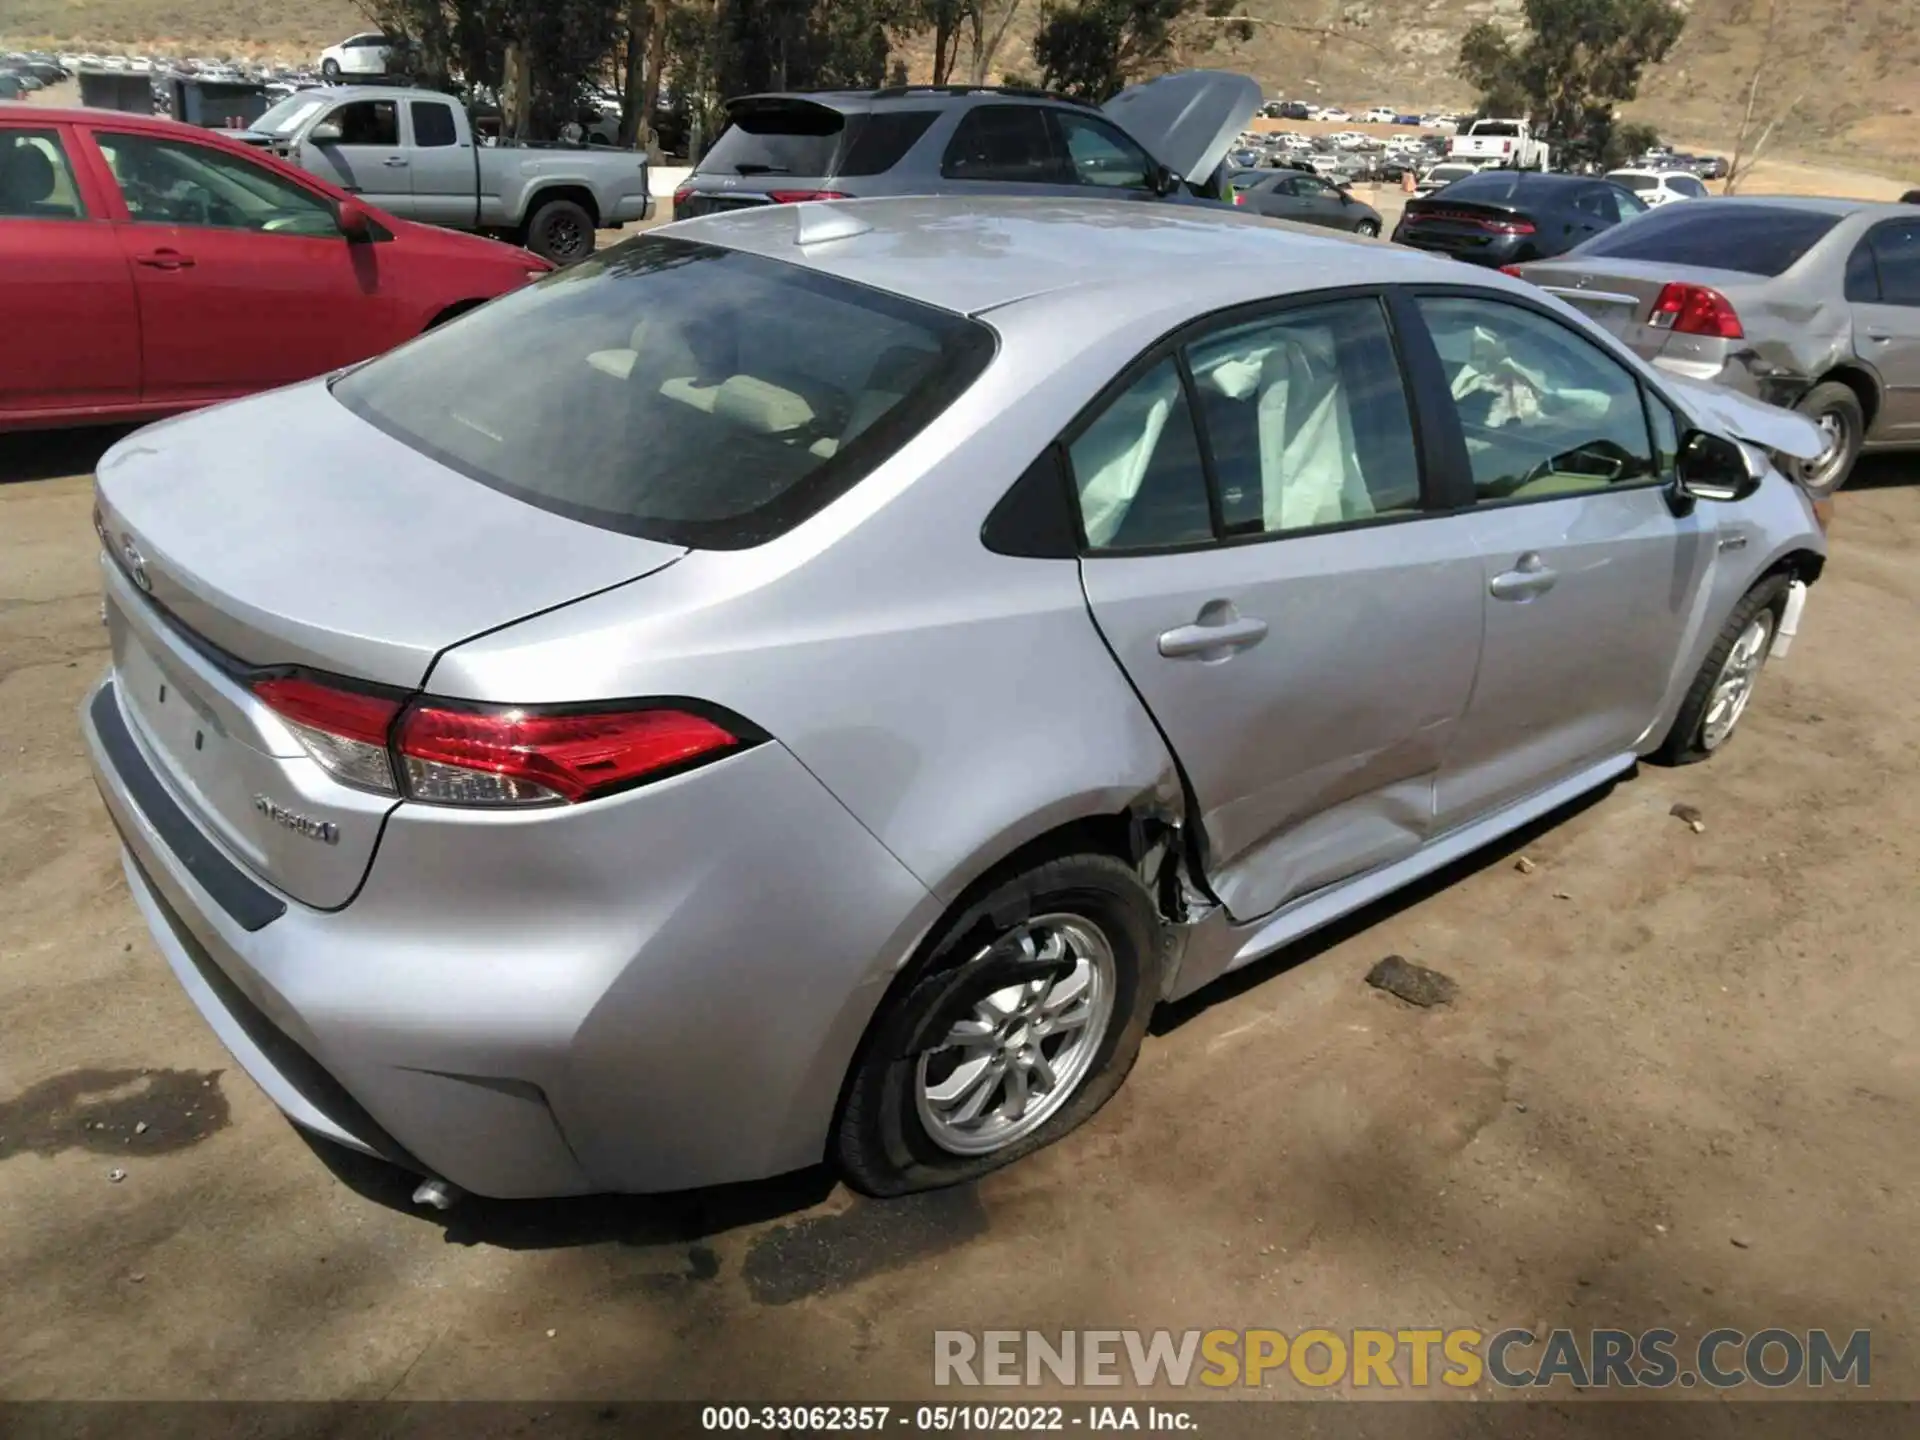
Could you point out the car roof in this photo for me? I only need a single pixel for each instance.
(976, 253)
(1821, 205)
(905, 97)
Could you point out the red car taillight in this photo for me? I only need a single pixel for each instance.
(345, 731)
(1239, 198)
(682, 195)
(451, 753)
(1696, 310)
(521, 757)
(794, 197)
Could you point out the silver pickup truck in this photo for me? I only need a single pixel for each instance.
(413, 153)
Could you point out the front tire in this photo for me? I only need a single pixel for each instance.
(1837, 411)
(1019, 1021)
(1725, 683)
(561, 231)
(1368, 228)
(330, 71)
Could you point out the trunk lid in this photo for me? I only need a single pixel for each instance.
(283, 531)
(286, 531)
(1189, 120)
(773, 146)
(1619, 295)
(1458, 227)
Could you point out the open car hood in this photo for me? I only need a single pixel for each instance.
(1187, 121)
(1785, 432)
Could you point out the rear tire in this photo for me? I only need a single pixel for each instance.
(1836, 410)
(330, 71)
(1727, 677)
(561, 231)
(1368, 228)
(934, 1098)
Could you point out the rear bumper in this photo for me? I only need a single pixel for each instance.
(616, 998)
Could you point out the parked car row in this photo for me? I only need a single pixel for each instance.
(158, 267)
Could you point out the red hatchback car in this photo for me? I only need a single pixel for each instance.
(147, 267)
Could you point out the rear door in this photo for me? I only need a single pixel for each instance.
(1589, 575)
(243, 277)
(998, 147)
(368, 159)
(1261, 557)
(1883, 284)
(65, 289)
(444, 177)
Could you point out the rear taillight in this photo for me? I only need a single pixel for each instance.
(449, 753)
(682, 195)
(1513, 270)
(521, 757)
(1238, 198)
(345, 731)
(794, 197)
(1696, 310)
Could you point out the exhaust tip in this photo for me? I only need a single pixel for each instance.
(437, 1194)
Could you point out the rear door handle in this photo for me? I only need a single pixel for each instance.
(1879, 337)
(1529, 577)
(164, 259)
(1213, 638)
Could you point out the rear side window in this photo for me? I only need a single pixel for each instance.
(1896, 255)
(432, 124)
(779, 139)
(1724, 235)
(1006, 143)
(682, 392)
(882, 140)
(1863, 276)
(36, 183)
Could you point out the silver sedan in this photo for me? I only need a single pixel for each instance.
(805, 684)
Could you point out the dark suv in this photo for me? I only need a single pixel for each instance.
(1163, 140)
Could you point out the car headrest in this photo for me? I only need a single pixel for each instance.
(26, 178)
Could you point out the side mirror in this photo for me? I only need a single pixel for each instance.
(325, 133)
(1712, 467)
(354, 222)
(1163, 181)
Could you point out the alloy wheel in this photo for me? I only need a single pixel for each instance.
(1010, 1065)
(1822, 472)
(1733, 686)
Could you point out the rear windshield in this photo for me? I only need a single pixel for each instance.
(673, 390)
(1752, 239)
(1494, 127)
(776, 140)
(1640, 183)
(1492, 185)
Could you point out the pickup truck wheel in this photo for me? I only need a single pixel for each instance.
(561, 231)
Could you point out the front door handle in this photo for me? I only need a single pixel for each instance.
(1220, 632)
(1879, 337)
(164, 259)
(1529, 577)
(394, 162)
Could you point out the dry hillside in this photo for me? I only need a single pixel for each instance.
(1850, 69)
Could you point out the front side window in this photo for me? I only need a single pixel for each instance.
(1306, 418)
(1545, 412)
(172, 182)
(368, 122)
(432, 124)
(1101, 155)
(673, 390)
(1007, 143)
(1599, 202)
(36, 182)
(1896, 254)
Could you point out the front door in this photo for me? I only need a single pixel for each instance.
(1590, 577)
(1883, 282)
(244, 279)
(72, 338)
(1261, 562)
(368, 159)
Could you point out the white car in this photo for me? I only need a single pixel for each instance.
(1381, 115)
(360, 55)
(1334, 113)
(1660, 187)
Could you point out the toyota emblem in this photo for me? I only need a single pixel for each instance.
(136, 564)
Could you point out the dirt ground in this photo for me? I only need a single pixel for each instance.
(1677, 1087)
